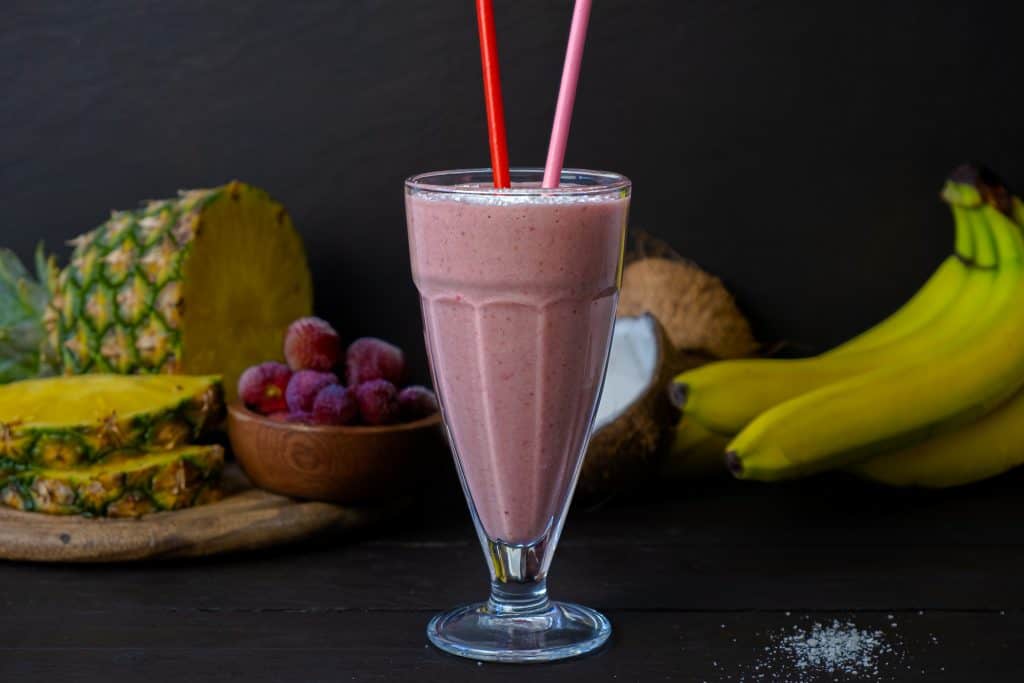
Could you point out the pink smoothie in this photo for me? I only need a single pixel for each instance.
(518, 296)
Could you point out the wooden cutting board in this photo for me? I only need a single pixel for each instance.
(246, 519)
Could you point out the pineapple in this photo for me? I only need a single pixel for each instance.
(128, 485)
(21, 335)
(202, 284)
(61, 423)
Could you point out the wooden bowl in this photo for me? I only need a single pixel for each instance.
(337, 464)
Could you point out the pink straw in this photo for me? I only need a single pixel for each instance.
(567, 94)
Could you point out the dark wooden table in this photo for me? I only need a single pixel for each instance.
(696, 584)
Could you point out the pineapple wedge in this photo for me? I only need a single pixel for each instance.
(204, 283)
(126, 485)
(68, 422)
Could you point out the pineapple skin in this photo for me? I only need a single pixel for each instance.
(117, 306)
(130, 485)
(126, 302)
(166, 427)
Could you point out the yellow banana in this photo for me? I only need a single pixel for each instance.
(929, 302)
(982, 449)
(725, 396)
(953, 382)
(926, 304)
(696, 452)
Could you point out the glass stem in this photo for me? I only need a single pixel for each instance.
(518, 599)
(519, 584)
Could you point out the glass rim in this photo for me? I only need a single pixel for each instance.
(605, 182)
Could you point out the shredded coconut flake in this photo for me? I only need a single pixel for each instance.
(824, 652)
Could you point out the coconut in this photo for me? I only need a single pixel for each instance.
(702, 323)
(673, 316)
(634, 418)
(697, 311)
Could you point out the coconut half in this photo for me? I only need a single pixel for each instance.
(703, 324)
(634, 416)
(698, 312)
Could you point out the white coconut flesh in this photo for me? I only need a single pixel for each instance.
(632, 367)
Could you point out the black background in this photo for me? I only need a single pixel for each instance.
(794, 148)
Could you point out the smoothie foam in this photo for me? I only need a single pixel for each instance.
(518, 295)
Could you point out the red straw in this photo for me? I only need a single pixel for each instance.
(492, 92)
(567, 94)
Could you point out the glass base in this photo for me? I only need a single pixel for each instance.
(559, 631)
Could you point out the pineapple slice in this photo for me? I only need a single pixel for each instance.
(126, 485)
(67, 422)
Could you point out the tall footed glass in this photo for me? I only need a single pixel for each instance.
(518, 289)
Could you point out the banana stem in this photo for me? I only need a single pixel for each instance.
(963, 243)
(986, 250)
(1006, 233)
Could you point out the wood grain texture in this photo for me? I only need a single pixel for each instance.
(246, 519)
(331, 646)
(695, 585)
(348, 465)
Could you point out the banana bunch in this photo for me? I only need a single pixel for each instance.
(931, 396)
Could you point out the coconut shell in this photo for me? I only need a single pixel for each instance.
(694, 306)
(627, 452)
(681, 361)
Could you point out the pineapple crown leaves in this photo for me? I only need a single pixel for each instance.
(23, 301)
